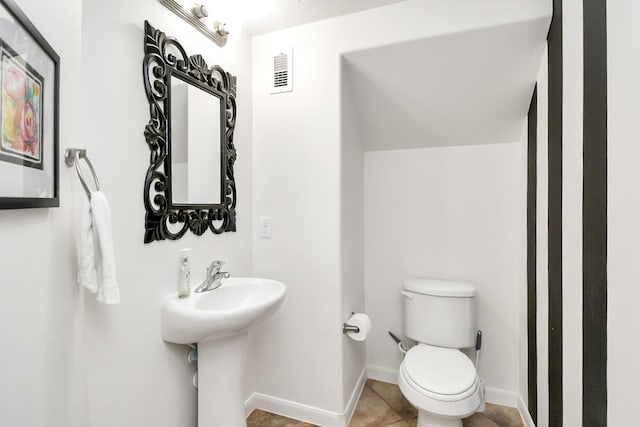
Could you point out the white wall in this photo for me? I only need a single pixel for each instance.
(42, 374)
(352, 231)
(134, 377)
(522, 292)
(572, 212)
(623, 211)
(77, 363)
(454, 213)
(542, 246)
(69, 361)
(297, 180)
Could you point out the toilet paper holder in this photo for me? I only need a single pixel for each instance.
(350, 328)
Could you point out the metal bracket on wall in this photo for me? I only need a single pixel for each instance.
(72, 157)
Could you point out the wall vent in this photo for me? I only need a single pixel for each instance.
(282, 71)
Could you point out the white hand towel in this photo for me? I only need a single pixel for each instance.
(108, 291)
(86, 253)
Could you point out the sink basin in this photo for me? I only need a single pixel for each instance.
(231, 309)
(219, 322)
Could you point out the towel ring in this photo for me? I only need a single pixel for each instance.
(72, 156)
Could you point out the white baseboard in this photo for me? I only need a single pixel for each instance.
(294, 410)
(501, 397)
(326, 418)
(386, 375)
(524, 413)
(250, 405)
(304, 412)
(355, 396)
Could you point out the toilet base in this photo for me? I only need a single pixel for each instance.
(428, 419)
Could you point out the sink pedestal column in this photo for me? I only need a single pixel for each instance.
(221, 382)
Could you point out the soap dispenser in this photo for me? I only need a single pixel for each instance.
(184, 274)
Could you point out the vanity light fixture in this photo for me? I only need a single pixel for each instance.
(222, 29)
(195, 16)
(200, 11)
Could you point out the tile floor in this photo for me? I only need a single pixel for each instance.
(382, 404)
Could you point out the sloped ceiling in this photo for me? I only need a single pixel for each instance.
(459, 89)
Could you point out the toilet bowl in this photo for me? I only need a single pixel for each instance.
(441, 383)
(435, 376)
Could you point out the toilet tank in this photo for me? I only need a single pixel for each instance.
(440, 312)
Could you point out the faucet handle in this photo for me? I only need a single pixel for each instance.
(214, 267)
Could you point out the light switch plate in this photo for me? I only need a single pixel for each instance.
(265, 227)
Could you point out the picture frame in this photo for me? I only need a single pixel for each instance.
(29, 113)
(167, 65)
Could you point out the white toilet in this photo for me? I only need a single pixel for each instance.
(435, 376)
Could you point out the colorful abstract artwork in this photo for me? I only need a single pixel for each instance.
(29, 114)
(21, 94)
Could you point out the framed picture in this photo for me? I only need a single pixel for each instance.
(29, 104)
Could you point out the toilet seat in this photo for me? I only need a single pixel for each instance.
(464, 398)
(440, 373)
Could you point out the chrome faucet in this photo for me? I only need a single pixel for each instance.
(214, 277)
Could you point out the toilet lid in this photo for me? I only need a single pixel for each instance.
(440, 370)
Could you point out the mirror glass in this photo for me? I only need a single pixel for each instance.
(195, 145)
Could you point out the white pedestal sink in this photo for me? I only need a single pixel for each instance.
(219, 321)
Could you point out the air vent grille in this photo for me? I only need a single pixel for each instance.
(282, 71)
